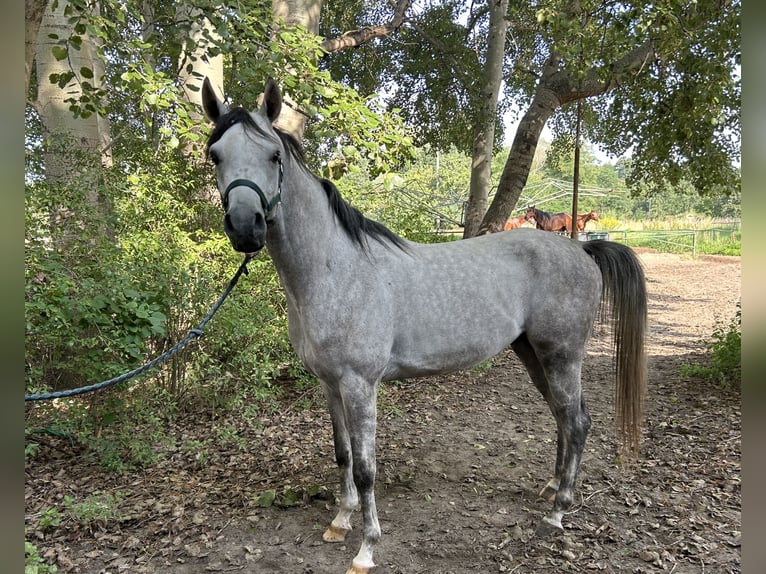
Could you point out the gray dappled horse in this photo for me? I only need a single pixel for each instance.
(366, 306)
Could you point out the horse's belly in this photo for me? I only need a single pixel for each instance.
(433, 351)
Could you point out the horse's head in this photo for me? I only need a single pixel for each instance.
(593, 215)
(531, 213)
(247, 154)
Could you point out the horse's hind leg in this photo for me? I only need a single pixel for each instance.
(573, 422)
(341, 524)
(556, 373)
(526, 353)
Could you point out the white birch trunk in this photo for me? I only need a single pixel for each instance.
(90, 135)
(293, 13)
(484, 134)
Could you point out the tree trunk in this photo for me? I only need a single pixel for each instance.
(519, 162)
(195, 62)
(293, 13)
(484, 135)
(33, 15)
(76, 148)
(554, 89)
(88, 135)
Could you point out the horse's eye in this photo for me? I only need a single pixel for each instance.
(214, 158)
(277, 156)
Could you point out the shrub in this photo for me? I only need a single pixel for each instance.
(725, 347)
(34, 563)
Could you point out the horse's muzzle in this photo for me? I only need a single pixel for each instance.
(246, 231)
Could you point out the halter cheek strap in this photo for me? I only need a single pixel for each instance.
(268, 206)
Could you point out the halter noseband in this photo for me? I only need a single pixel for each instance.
(268, 206)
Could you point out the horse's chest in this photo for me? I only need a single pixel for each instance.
(336, 340)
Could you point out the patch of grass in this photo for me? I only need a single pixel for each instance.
(387, 402)
(197, 450)
(483, 367)
(49, 519)
(228, 435)
(725, 347)
(120, 432)
(30, 450)
(97, 509)
(34, 563)
(719, 242)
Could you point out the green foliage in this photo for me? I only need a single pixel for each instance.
(437, 94)
(98, 509)
(398, 200)
(34, 563)
(720, 242)
(30, 450)
(49, 518)
(99, 304)
(120, 432)
(725, 361)
(677, 111)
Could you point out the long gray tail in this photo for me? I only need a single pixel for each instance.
(624, 291)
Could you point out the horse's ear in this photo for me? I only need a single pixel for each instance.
(214, 108)
(272, 100)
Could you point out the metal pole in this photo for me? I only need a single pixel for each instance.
(576, 177)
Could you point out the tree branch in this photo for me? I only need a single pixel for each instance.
(561, 83)
(354, 38)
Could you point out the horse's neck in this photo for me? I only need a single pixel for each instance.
(306, 240)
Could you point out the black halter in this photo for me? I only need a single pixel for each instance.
(269, 207)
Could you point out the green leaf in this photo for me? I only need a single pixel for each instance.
(86, 72)
(290, 498)
(59, 52)
(266, 498)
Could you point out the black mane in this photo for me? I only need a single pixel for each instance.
(358, 227)
(544, 216)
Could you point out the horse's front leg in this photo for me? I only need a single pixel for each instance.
(341, 524)
(359, 402)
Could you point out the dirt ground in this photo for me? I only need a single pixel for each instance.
(461, 459)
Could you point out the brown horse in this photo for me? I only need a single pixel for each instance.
(583, 218)
(515, 222)
(550, 221)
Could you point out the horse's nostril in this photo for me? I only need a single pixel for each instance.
(260, 223)
(228, 227)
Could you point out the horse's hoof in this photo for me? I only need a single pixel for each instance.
(547, 529)
(335, 534)
(356, 569)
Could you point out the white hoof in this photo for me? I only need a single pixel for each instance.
(335, 534)
(356, 568)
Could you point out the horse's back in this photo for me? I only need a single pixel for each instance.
(456, 304)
